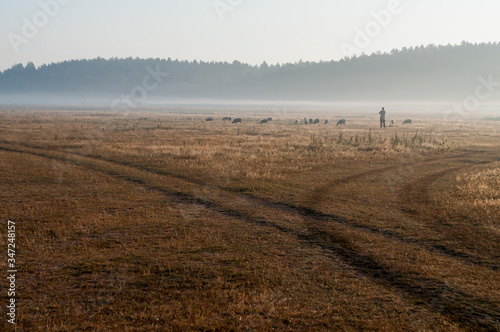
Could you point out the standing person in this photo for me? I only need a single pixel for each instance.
(382, 118)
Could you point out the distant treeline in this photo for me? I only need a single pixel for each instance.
(419, 73)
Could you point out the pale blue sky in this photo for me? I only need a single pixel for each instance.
(253, 31)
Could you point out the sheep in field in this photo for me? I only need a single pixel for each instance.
(341, 122)
(263, 121)
(237, 120)
(297, 121)
(407, 121)
(226, 118)
(326, 121)
(316, 121)
(210, 119)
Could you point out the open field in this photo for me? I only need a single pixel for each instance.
(145, 221)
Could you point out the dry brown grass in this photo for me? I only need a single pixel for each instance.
(162, 221)
(477, 193)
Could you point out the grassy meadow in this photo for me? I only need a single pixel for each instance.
(155, 220)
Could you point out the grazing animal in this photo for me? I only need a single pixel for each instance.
(326, 121)
(311, 121)
(393, 122)
(341, 122)
(263, 121)
(269, 119)
(407, 121)
(306, 121)
(237, 120)
(226, 118)
(316, 121)
(297, 121)
(210, 119)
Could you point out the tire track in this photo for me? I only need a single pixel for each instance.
(469, 312)
(319, 192)
(310, 212)
(415, 194)
(418, 189)
(326, 217)
(466, 310)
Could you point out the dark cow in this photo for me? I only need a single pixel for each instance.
(407, 121)
(210, 119)
(263, 121)
(237, 120)
(316, 121)
(341, 122)
(269, 119)
(326, 121)
(226, 118)
(311, 121)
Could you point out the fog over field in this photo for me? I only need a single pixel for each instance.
(322, 54)
(414, 77)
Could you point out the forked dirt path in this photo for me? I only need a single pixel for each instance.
(448, 300)
(411, 193)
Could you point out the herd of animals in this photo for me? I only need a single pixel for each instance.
(307, 121)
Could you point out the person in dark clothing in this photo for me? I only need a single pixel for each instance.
(382, 118)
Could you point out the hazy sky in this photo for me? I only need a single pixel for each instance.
(246, 30)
